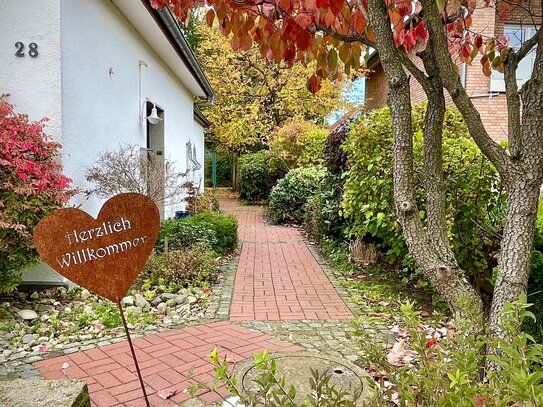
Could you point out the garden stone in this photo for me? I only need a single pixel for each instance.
(67, 309)
(184, 309)
(128, 301)
(192, 299)
(181, 299)
(156, 301)
(27, 314)
(88, 309)
(8, 336)
(13, 310)
(141, 302)
(134, 309)
(29, 338)
(167, 296)
(171, 302)
(163, 308)
(84, 294)
(47, 308)
(34, 296)
(44, 317)
(44, 393)
(21, 295)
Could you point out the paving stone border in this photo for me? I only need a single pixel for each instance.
(219, 305)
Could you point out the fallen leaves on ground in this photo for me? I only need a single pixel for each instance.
(166, 393)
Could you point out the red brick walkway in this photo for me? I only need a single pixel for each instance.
(278, 278)
(165, 360)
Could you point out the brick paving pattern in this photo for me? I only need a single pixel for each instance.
(165, 361)
(278, 278)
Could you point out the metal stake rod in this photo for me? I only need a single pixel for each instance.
(133, 353)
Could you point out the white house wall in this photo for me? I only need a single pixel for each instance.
(33, 83)
(100, 92)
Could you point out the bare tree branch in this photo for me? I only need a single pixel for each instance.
(451, 80)
(126, 169)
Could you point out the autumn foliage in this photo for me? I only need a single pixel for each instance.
(286, 30)
(31, 185)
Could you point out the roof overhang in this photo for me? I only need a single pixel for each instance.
(161, 31)
(200, 118)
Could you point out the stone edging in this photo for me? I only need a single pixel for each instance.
(219, 306)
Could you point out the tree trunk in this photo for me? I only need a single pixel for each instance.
(516, 248)
(442, 270)
(524, 188)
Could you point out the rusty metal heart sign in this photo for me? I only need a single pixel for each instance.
(104, 255)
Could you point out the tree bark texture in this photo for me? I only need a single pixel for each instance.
(521, 171)
(443, 272)
(524, 189)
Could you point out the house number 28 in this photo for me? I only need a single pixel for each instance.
(32, 49)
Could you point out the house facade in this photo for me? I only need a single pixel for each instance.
(97, 70)
(487, 94)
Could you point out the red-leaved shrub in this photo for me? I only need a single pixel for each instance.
(31, 185)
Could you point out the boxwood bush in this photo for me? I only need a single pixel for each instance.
(288, 199)
(219, 231)
(224, 226)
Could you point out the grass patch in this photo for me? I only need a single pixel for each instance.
(382, 289)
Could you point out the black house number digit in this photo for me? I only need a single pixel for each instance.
(20, 49)
(33, 49)
(33, 53)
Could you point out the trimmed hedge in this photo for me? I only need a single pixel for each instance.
(216, 229)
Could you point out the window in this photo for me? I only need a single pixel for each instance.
(517, 35)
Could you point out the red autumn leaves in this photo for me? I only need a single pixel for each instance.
(331, 32)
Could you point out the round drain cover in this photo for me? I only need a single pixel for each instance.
(296, 367)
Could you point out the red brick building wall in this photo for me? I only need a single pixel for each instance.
(492, 106)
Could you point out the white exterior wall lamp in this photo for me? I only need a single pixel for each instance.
(153, 118)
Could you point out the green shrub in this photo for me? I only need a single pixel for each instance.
(194, 265)
(254, 182)
(538, 238)
(181, 234)
(474, 207)
(296, 144)
(224, 226)
(290, 196)
(216, 229)
(323, 217)
(535, 296)
(445, 367)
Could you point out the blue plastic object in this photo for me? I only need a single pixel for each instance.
(183, 214)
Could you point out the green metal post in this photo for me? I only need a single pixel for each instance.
(214, 168)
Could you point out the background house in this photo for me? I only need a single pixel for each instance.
(487, 94)
(96, 69)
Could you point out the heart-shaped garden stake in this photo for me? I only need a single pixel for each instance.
(104, 255)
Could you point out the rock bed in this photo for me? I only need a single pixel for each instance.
(56, 319)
